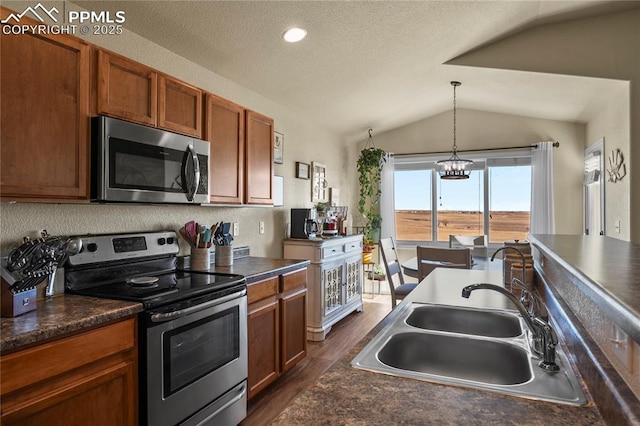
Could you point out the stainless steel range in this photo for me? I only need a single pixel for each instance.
(193, 332)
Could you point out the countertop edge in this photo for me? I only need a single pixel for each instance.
(278, 271)
(75, 321)
(619, 312)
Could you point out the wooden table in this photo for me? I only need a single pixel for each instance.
(410, 267)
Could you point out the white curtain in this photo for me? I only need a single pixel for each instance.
(542, 221)
(387, 208)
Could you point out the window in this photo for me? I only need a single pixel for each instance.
(509, 203)
(494, 201)
(413, 197)
(461, 206)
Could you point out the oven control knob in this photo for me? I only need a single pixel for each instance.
(170, 240)
(92, 247)
(161, 241)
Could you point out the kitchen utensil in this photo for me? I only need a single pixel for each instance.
(190, 231)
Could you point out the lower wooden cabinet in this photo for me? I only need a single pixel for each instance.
(276, 327)
(85, 379)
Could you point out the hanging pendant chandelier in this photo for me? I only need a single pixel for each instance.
(455, 167)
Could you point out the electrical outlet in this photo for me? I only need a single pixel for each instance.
(236, 229)
(617, 226)
(262, 227)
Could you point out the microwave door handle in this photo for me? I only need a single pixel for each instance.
(191, 185)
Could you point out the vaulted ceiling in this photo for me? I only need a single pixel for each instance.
(379, 64)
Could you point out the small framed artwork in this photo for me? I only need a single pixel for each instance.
(302, 170)
(319, 190)
(278, 147)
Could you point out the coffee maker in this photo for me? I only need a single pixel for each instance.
(303, 223)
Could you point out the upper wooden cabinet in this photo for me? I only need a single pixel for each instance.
(179, 107)
(225, 133)
(135, 92)
(44, 133)
(259, 161)
(127, 89)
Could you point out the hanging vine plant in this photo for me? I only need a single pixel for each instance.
(370, 165)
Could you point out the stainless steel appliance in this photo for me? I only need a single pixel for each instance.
(303, 223)
(134, 163)
(192, 334)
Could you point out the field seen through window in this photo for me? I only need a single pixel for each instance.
(415, 225)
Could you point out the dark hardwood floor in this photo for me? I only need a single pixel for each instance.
(266, 406)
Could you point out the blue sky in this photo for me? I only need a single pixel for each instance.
(510, 190)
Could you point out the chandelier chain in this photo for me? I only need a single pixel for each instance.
(455, 147)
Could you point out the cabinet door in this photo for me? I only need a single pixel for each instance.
(105, 398)
(44, 133)
(259, 161)
(332, 287)
(87, 378)
(179, 107)
(293, 311)
(353, 278)
(127, 89)
(264, 349)
(225, 133)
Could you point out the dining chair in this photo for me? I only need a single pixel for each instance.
(397, 286)
(430, 258)
(478, 243)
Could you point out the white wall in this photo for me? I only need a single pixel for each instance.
(485, 130)
(612, 123)
(303, 141)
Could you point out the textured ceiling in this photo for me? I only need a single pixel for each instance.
(367, 64)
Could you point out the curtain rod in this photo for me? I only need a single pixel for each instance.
(556, 144)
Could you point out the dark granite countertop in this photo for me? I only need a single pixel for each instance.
(59, 316)
(606, 269)
(348, 396)
(260, 268)
(66, 314)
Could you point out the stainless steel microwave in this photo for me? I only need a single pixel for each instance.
(139, 164)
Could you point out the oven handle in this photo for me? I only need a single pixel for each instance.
(182, 312)
(241, 392)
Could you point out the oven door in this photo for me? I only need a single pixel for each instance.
(195, 355)
(134, 163)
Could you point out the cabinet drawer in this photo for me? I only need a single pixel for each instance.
(293, 280)
(29, 366)
(332, 251)
(354, 246)
(262, 290)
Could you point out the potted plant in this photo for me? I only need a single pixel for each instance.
(370, 165)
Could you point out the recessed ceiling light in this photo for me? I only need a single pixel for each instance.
(294, 35)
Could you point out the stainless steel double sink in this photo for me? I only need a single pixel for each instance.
(476, 348)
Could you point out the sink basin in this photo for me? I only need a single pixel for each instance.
(491, 362)
(441, 344)
(465, 321)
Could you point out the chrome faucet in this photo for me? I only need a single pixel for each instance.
(544, 338)
(536, 307)
(524, 268)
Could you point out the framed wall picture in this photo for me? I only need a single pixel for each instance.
(278, 147)
(319, 190)
(302, 170)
